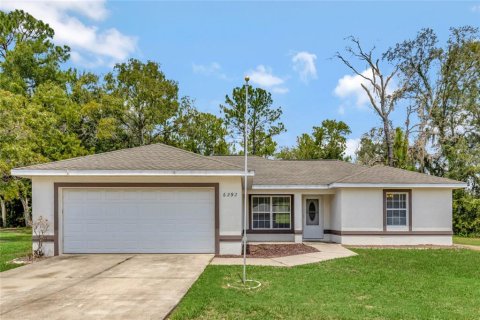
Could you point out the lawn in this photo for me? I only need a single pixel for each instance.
(376, 284)
(466, 240)
(14, 243)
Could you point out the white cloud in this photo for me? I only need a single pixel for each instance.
(280, 90)
(90, 44)
(264, 77)
(349, 87)
(352, 147)
(475, 8)
(350, 91)
(304, 65)
(212, 69)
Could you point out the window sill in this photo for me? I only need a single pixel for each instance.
(397, 228)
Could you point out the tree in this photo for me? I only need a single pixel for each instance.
(444, 83)
(378, 87)
(263, 119)
(400, 150)
(32, 132)
(371, 150)
(28, 58)
(326, 142)
(99, 127)
(16, 146)
(199, 132)
(148, 101)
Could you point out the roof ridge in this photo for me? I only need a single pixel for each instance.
(198, 155)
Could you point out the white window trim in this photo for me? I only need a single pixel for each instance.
(271, 211)
(407, 204)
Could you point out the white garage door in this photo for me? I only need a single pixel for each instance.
(138, 220)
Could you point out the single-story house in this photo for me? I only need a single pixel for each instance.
(161, 199)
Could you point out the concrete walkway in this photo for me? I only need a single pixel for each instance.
(467, 246)
(327, 251)
(99, 286)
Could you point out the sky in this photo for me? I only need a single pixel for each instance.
(284, 47)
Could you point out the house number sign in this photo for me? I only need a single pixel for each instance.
(230, 194)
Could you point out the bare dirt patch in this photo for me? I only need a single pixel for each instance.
(27, 259)
(274, 250)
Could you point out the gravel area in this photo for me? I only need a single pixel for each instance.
(274, 250)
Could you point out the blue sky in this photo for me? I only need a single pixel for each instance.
(285, 47)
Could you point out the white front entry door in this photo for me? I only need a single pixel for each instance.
(130, 220)
(313, 219)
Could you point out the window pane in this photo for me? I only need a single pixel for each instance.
(264, 206)
(396, 200)
(396, 217)
(261, 213)
(261, 204)
(261, 220)
(281, 204)
(281, 220)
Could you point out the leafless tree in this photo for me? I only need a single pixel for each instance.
(377, 86)
(40, 228)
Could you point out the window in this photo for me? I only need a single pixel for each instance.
(397, 208)
(271, 212)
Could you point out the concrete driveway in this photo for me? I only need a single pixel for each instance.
(100, 286)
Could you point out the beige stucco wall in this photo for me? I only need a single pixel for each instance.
(335, 222)
(230, 207)
(432, 209)
(346, 209)
(361, 209)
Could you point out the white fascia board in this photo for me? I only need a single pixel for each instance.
(358, 185)
(290, 187)
(399, 185)
(195, 173)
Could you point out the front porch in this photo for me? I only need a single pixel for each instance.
(310, 216)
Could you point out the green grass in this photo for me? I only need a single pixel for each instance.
(376, 284)
(466, 240)
(14, 243)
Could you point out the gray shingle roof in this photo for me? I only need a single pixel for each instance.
(324, 172)
(152, 157)
(384, 174)
(267, 172)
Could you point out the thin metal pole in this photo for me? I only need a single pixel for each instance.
(245, 202)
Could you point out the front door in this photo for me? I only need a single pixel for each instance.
(313, 220)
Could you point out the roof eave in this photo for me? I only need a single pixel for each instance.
(399, 185)
(289, 187)
(358, 185)
(67, 172)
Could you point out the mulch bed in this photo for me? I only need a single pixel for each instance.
(273, 250)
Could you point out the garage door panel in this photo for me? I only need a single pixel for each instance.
(138, 220)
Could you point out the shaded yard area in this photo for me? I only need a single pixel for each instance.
(466, 240)
(376, 284)
(14, 243)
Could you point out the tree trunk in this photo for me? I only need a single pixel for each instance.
(4, 213)
(388, 142)
(26, 211)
